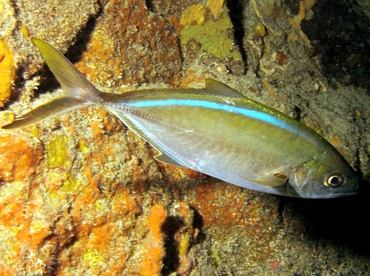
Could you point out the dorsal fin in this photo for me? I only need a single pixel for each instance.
(216, 87)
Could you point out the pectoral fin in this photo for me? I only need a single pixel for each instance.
(275, 179)
(167, 160)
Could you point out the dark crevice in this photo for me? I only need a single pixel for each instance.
(171, 260)
(198, 223)
(171, 229)
(340, 34)
(236, 8)
(293, 5)
(76, 51)
(297, 113)
(281, 207)
(149, 5)
(339, 221)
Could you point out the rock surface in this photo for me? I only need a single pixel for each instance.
(81, 194)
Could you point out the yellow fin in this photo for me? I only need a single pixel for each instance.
(53, 108)
(216, 87)
(72, 81)
(276, 179)
(167, 160)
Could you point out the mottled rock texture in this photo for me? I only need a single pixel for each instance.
(80, 194)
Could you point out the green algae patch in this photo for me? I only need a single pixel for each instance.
(72, 184)
(57, 151)
(213, 37)
(215, 255)
(194, 15)
(84, 147)
(34, 131)
(93, 258)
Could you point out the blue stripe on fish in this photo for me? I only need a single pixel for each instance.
(253, 114)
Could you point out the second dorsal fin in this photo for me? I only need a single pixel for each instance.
(216, 87)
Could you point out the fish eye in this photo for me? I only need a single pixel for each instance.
(334, 180)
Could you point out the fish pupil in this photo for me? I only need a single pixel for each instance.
(334, 180)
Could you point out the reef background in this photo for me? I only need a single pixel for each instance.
(81, 194)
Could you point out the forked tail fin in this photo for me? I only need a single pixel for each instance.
(78, 90)
(72, 81)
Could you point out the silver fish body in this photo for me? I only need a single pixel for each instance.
(216, 131)
(235, 139)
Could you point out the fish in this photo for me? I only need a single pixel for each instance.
(216, 131)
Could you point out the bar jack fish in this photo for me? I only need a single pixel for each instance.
(216, 131)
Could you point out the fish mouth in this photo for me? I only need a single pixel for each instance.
(308, 193)
(335, 193)
(353, 189)
(344, 194)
